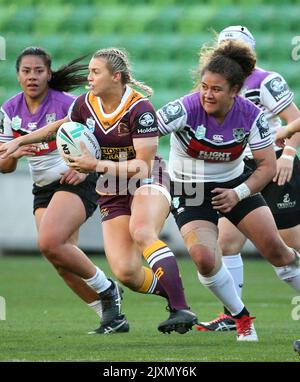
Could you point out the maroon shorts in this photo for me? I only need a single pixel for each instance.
(112, 206)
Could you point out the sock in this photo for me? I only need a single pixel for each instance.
(151, 285)
(164, 266)
(290, 273)
(99, 281)
(97, 307)
(221, 285)
(235, 266)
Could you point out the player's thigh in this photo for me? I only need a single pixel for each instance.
(63, 217)
(121, 252)
(259, 226)
(231, 240)
(291, 236)
(39, 213)
(149, 209)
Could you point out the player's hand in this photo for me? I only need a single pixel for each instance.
(224, 200)
(281, 135)
(27, 150)
(72, 177)
(284, 171)
(8, 148)
(84, 163)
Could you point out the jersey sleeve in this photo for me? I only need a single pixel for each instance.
(260, 135)
(74, 113)
(275, 94)
(6, 133)
(144, 121)
(171, 117)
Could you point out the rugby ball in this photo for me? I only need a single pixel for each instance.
(68, 139)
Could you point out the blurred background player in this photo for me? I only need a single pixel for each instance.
(135, 208)
(269, 91)
(63, 198)
(209, 132)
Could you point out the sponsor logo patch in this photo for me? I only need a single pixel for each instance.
(263, 126)
(277, 88)
(147, 130)
(117, 153)
(171, 111)
(200, 132)
(147, 119)
(286, 202)
(16, 123)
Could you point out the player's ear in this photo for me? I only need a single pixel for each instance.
(117, 76)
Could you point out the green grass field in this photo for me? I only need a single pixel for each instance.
(46, 322)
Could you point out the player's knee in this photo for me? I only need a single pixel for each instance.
(50, 249)
(126, 276)
(143, 236)
(203, 258)
(276, 252)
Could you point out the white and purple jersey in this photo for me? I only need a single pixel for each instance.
(202, 150)
(15, 120)
(270, 92)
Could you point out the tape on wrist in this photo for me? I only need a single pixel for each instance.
(289, 157)
(242, 191)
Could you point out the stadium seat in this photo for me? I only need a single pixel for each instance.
(79, 19)
(48, 19)
(195, 19)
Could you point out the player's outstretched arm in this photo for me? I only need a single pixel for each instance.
(289, 130)
(45, 134)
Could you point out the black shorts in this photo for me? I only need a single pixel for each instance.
(85, 190)
(185, 211)
(284, 201)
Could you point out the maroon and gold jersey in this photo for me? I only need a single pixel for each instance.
(135, 117)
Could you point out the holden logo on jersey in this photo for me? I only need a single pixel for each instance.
(90, 123)
(50, 118)
(200, 132)
(146, 119)
(278, 88)
(16, 123)
(263, 126)
(238, 134)
(218, 138)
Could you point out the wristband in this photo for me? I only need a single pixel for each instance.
(242, 191)
(290, 148)
(289, 157)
